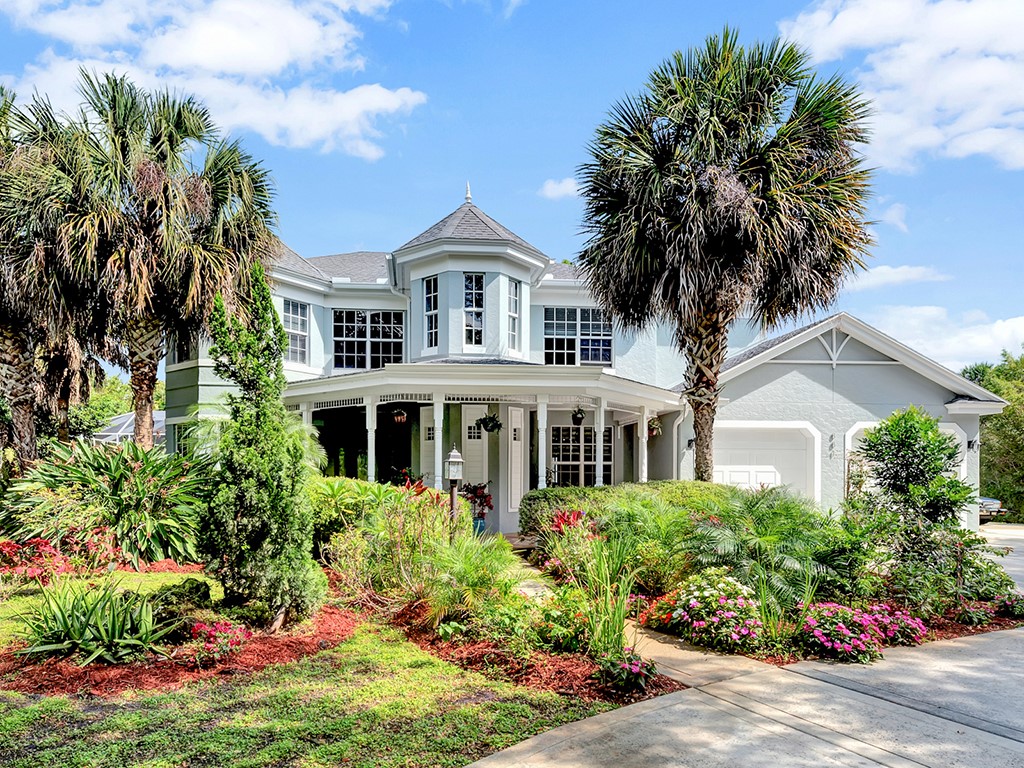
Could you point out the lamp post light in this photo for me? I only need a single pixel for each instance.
(453, 471)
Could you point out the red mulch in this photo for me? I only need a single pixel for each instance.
(59, 676)
(164, 566)
(568, 674)
(945, 629)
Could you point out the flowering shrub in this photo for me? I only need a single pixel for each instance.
(569, 553)
(709, 609)
(219, 640)
(565, 519)
(896, 626)
(478, 497)
(35, 559)
(839, 632)
(1011, 605)
(562, 623)
(628, 672)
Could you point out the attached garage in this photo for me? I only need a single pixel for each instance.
(768, 454)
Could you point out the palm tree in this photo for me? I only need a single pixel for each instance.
(174, 216)
(731, 183)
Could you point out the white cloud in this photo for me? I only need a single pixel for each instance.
(884, 276)
(896, 215)
(556, 189)
(511, 6)
(943, 75)
(953, 341)
(261, 65)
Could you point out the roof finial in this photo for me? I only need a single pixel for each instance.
(469, 196)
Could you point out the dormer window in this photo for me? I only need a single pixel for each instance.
(295, 319)
(577, 336)
(430, 312)
(474, 308)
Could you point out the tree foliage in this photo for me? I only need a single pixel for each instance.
(1002, 435)
(915, 463)
(257, 534)
(732, 182)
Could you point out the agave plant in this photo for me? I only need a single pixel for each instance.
(99, 622)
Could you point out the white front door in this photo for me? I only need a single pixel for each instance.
(516, 446)
(474, 446)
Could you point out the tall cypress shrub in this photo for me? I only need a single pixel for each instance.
(258, 534)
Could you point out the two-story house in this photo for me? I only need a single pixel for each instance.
(395, 356)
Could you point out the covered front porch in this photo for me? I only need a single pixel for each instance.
(404, 419)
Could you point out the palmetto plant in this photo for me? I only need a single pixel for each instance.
(731, 182)
(769, 539)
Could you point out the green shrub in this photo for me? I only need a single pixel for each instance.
(562, 622)
(181, 599)
(149, 499)
(257, 535)
(537, 507)
(770, 539)
(973, 614)
(99, 622)
(337, 503)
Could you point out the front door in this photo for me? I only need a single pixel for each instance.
(574, 451)
(474, 446)
(516, 458)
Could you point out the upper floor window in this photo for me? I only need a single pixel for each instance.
(474, 308)
(366, 339)
(513, 314)
(577, 335)
(430, 311)
(181, 349)
(296, 324)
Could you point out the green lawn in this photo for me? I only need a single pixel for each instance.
(375, 700)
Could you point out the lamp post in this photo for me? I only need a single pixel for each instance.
(453, 471)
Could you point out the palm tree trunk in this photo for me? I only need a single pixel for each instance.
(706, 348)
(145, 342)
(18, 378)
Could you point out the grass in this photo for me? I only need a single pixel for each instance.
(375, 700)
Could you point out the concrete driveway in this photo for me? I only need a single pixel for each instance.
(946, 704)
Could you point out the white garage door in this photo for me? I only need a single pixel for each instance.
(752, 458)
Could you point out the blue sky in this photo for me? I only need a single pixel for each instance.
(373, 114)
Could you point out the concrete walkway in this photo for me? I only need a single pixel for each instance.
(946, 704)
(1009, 536)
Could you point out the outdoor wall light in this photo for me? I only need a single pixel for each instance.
(453, 471)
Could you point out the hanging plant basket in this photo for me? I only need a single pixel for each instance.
(578, 416)
(653, 427)
(489, 423)
(399, 416)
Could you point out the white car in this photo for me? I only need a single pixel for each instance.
(989, 509)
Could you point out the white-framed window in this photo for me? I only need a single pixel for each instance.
(365, 339)
(430, 311)
(574, 455)
(429, 434)
(296, 324)
(474, 432)
(577, 336)
(180, 349)
(514, 288)
(474, 308)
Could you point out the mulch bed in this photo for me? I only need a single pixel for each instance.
(331, 627)
(163, 566)
(945, 629)
(567, 674)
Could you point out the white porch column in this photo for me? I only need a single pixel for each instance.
(641, 433)
(599, 441)
(371, 439)
(306, 409)
(542, 441)
(440, 448)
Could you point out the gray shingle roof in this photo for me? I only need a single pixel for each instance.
(467, 222)
(561, 271)
(359, 267)
(288, 259)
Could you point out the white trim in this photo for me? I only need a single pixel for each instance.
(944, 426)
(974, 408)
(806, 427)
(878, 341)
